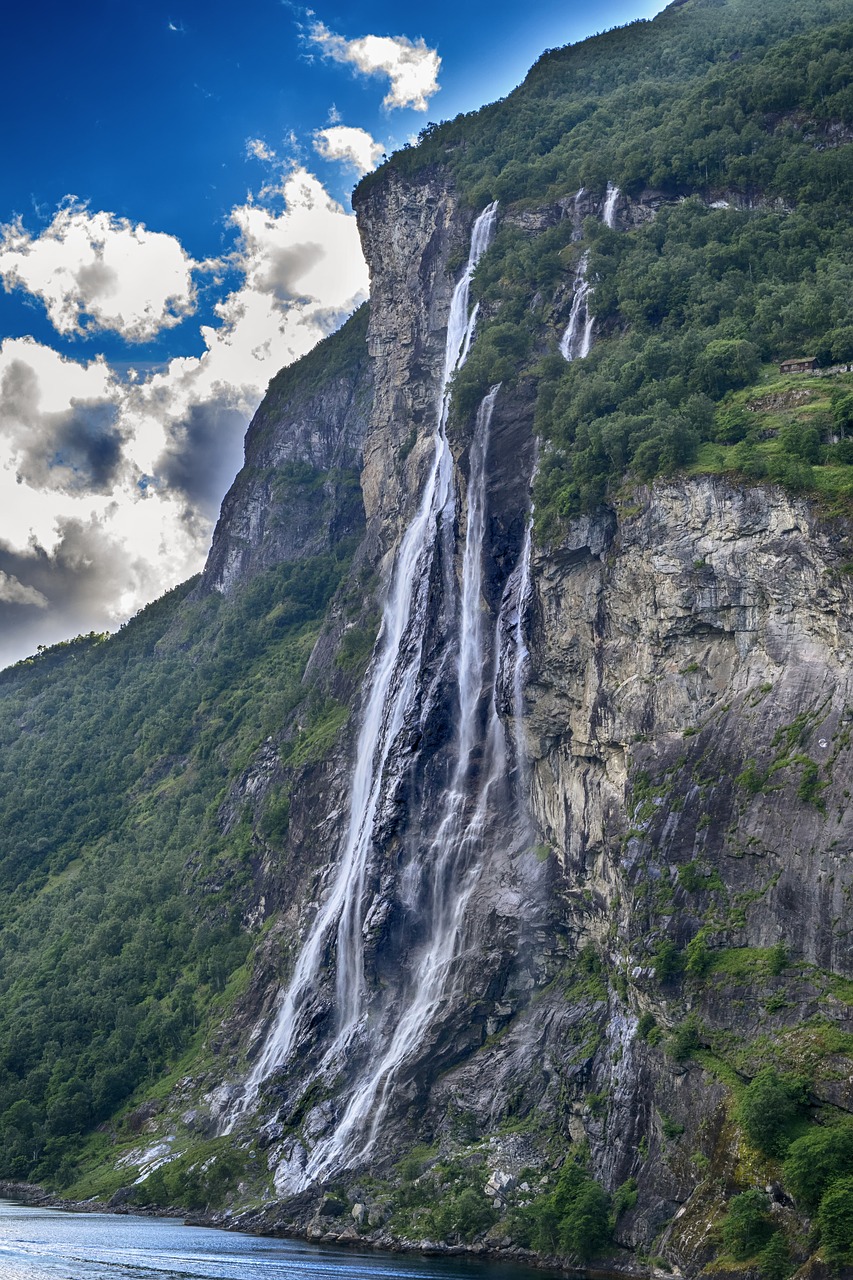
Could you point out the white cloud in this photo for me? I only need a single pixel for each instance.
(14, 592)
(353, 147)
(258, 148)
(109, 486)
(410, 65)
(95, 271)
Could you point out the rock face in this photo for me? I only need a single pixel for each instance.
(297, 494)
(675, 784)
(708, 630)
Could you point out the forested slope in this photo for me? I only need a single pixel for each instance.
(127, 889)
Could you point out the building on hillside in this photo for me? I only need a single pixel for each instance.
(806, 364)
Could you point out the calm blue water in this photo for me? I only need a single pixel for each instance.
(48, 1244)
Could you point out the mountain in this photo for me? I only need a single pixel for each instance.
(465, 856)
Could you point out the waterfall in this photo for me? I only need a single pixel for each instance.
(392, 686)
(608, 217)
(576, 342)
(521, 654)
(577, 230)
(445, 873)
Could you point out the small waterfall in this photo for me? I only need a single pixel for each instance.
(391, 691)
(576, 342)
(608, 217)
(577, 229)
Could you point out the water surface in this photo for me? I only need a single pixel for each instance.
(50, 1244)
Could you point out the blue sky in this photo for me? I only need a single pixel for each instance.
(175, 226)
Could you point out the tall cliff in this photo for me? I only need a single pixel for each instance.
(512, 809)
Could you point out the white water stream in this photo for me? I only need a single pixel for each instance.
(577, 339)
(392, 685)
(608, 217)
(576, 342)
(443, 875)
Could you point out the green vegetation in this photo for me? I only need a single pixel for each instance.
(341, 353)
(695, 879)
(461, 1213)
(123, 883)
(747, 1226)
(816, 1160)
(695, 308)
(572, 1219)
(685, 1039)
(668, 961)
(201, 1180)
(835, 1222)
(769, 1110)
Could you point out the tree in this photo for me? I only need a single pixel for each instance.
(747, 1225)
(835, 1221)
(768, 1107)
(726, 364)
(818, 1158)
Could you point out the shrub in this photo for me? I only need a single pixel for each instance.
(774, 1260)
(817, 1159)
(625, 1197)
(752, 779)
(465, 1214)
(699, 958)
(726, 364)
(801, 440)
(646, 1023)
(684, 1040)
(747, 1227)
(835, 1221)
(668, 961)
(769, 1106)
(572, 1219)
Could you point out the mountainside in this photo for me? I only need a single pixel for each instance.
(465, 857)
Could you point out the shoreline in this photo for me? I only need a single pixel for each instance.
(261, 1222)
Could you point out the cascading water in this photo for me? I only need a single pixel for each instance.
(392, 687)
(576, 342)
(577, 339)
(521, 655)
(577, 230)
(445, 872)
(608, 216)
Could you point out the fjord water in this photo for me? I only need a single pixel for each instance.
(48, 1244)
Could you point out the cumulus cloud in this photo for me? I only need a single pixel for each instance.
(95, 271)
(77, 448)
(258, 148)
(14, 592)
(109, 486)
(410, 65)
(352, 147)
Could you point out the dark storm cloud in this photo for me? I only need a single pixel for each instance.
(77, 450)
(204, 454)
(60, 593)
